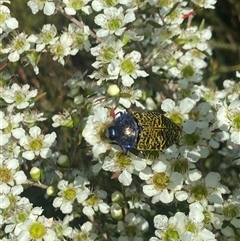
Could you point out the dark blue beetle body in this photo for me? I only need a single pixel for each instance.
(144, 131)
(124, 132)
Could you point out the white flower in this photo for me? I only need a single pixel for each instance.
(95, 203)
(196, 38)
(31, 117)
(3, 122)
(137, 200)
(4, 200)
(73, 6)
(7, 23)
(37, 144)
(63, 119)
(113, 20)
(207, 190)
(46, 37)
(18, 45)
(47, 6)
(23, 208)
(162, 183)
(61, 48)
(231, 90)
(69, 192)
(61, 227)
(130, 96)
(38, 229)
(94, 131)
(85, 231)
(177, 227)
(124, 165)
(99, 5)
(229, 119)
(176, 17)
(205, 3)
(136, 223)
(10, 174)
(19, 96)
(182, 111)
(106, 52)
(78, 38)
(128, 68)
(230, 209)
(13, 128)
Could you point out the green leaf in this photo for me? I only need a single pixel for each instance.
(173, 8)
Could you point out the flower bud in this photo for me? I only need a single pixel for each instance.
(63, 161)
(51, 191)
(35, 173)
(117, 197)
(116, 212)
(113, 90)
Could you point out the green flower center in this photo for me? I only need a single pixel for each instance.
(111, 3)
(80, 39)
(19, 43)
(69, 194)
(58, 229)
(81, 237)
(175, 118)
(128, 66)
(13, 201)
(187, 71)
(160, 180)
(2, 17)
(108, 54)
(170, 234)
(47, 37)
(199, 192)
(37, 230)
(236, 88)
(58, 49)
(131, 231)
(191, 227)
(207, 217)
(114, 24)
(151, 155)
(5, 174)
(21, 217)
(231, 211)
(209, 96)
(122, 161)
(192, 139)
(103, 72)
(36, 144)
(236, 121)
(76, 4)
(180, 166)
(8, 129)
(92, 200)
(19, 97)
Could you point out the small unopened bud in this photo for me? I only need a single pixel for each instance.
(51, 191)
(117, 197)
(35, 173)
(113, 90)
(78, 100)
(116, 212)
(63, 161)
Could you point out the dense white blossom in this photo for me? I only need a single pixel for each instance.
(134, 55)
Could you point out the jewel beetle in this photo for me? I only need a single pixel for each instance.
(144, 131)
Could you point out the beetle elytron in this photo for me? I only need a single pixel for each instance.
(145, 131)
